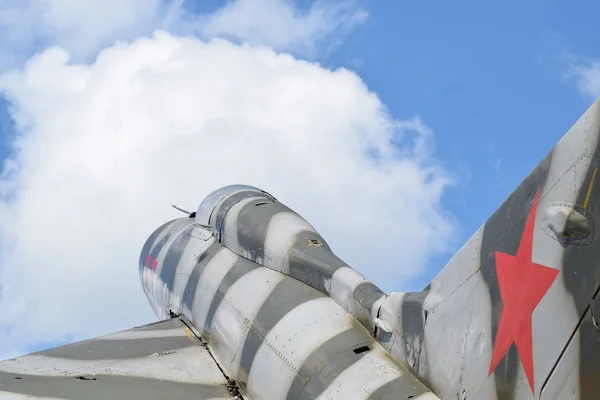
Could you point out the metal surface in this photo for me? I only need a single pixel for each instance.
(513, 316)
(464, 335)
(157, 361)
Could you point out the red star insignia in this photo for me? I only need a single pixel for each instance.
(151, 263)
(523, 284)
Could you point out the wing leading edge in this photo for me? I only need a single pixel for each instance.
(156, 361)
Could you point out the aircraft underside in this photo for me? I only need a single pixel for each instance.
(253, 303)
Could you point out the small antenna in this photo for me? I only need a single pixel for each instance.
(181, 209)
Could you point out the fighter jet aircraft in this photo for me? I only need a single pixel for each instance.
(254, 304)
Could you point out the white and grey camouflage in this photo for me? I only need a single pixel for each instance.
(255, 305)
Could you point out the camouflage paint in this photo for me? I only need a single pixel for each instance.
(282, 317)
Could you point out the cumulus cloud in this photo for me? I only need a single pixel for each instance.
(281, 25)
(104, 148)
(81, 26)
(84, 27)
(586, 74)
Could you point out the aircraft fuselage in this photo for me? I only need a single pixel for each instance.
(282, 315)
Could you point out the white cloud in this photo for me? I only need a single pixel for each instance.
(84, 27)
(586, 74)
(104, 149)
(281, 25)
(81, 26)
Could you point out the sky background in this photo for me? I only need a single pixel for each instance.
(429, 114)
(499, 84)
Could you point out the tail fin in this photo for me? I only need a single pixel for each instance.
(513, 314)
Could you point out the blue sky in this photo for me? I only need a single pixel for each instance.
(489, 78)
(490, 81)
(493, 81)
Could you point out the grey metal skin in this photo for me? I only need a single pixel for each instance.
(270, 312)
(282, 315)
(468, 335)
(447, 334)
(162, 360)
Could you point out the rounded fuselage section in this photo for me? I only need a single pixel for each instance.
(281, 313)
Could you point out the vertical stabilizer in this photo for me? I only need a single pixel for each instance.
(512, 315)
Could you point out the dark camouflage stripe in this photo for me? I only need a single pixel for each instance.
(117, 349)
(284, 297)
(312, 378)
(192, 284)
(502, 232)
(229, 202)
(399, 388)
(150, 243)
(313, 265)
(252, 226)
(581, 277)
(366, 294)
(237, 271)
(169, 265)
(106, 387)
(413, 325)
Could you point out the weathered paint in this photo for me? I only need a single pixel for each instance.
(284, 318)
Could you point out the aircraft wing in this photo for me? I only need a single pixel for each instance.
(164, 360)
